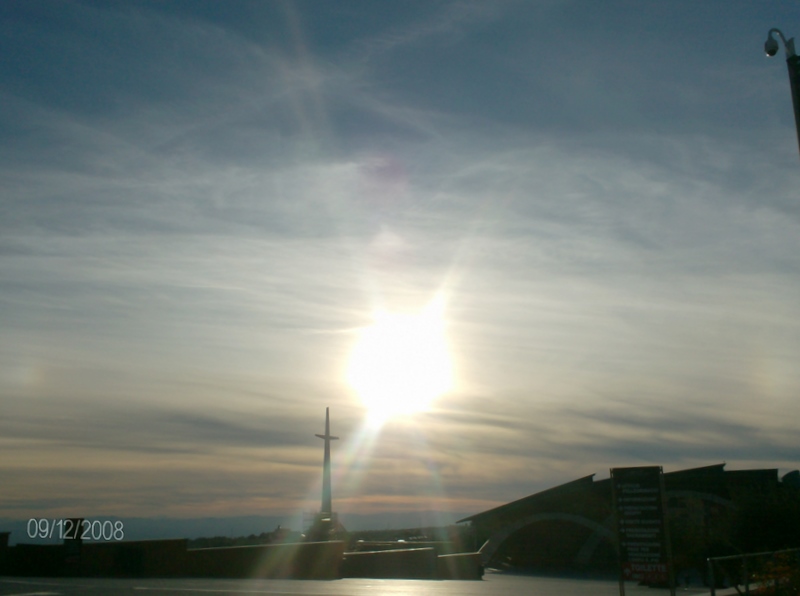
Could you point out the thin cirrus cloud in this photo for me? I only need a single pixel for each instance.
(200, 210)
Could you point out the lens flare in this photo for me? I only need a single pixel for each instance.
(401, 363)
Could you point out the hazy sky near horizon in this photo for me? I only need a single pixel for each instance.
(202, 203)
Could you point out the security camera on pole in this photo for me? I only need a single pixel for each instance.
(793, 64)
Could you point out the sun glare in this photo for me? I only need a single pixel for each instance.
(401, 363)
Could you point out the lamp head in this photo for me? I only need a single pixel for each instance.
(771, 45)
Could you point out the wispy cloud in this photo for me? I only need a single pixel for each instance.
(193, 230)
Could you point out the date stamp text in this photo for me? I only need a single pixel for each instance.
(83, 529)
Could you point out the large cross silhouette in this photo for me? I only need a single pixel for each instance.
(326, 465)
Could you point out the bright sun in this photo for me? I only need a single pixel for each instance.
(401, 363)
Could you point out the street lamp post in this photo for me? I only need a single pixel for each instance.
(793, 64)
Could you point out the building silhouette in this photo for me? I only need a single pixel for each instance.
(710, 512)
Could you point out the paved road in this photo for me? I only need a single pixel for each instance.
(492, 585)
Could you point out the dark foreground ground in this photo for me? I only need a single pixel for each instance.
(493, 584)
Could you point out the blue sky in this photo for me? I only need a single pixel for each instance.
(203, 203)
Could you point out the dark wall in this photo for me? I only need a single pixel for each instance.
(552, 546)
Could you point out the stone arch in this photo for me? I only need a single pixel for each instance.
(489, 548)
(702, 496)
(587, 550)
(601, 530)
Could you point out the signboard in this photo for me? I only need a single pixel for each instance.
(641, 530)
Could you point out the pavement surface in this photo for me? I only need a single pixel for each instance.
(491, 585)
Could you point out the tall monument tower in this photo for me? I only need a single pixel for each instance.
(327, 506)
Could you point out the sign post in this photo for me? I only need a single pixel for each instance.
(642, 537)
